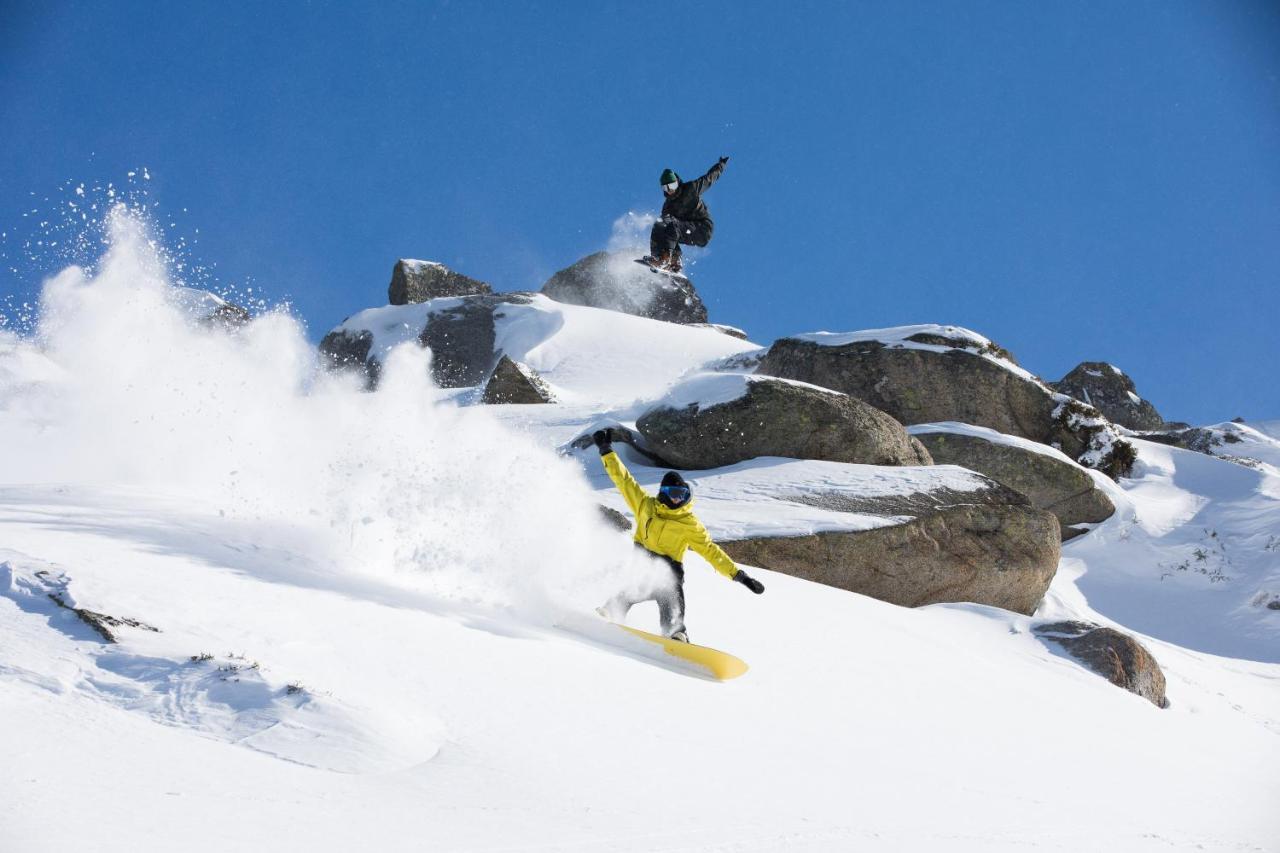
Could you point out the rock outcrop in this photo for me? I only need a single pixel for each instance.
(1107, 388)
(421, 281)
(461, 340)
(460, 333)
(349, 350)
(1049, 481)
(1115, 656)
(924, 379)
(512, 382)
(208, 309)
(614, 281)
(773, 417)
(1000, 555)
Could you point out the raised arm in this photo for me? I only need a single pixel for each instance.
(704, 183)
(632, 492)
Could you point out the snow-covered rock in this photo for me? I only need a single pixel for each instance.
(999, 555)
(595, 356)
(512, 382)
(421, 281)
(930, 374)
(1050, 479)
(614, 281)
(712, 420)
(1114, 655)
(208, 309)
(1109, 390)
(1234, 441)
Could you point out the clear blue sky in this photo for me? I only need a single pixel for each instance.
(1076, 180)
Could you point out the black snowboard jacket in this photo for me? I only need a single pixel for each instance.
(687, 204)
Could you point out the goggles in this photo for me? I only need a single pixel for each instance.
(671, 187)
(675, 494)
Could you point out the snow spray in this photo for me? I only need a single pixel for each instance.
(120, 386)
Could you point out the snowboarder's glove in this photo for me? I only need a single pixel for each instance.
(749, 582)
(723, 160)
(604, 441)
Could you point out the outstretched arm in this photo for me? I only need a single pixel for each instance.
(703, 546)
(713, 554)
(704, 183)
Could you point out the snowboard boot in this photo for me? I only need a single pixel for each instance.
(662, 260)
(674, 264)
(681, 635)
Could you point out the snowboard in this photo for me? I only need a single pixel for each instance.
(668, 273)
(689, 658)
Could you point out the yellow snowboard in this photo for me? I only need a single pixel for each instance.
(687, 657)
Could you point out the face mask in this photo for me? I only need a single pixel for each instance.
(670, 188)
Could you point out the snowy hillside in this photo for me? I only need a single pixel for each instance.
(336, 617)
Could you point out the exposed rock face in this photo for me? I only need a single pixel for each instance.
(1050, 483)
(227, 316)
(512, 382)
(461, 340)
(1117, 657)
(776, 418)
(1003, 556)
(343, 350)
(621, 435)
(614, 519)
(422, 281)
(208, 309)
(461, 337)
(918, 386)
(1110, 391)
(103, 623)
(923, 456)
(614, 281)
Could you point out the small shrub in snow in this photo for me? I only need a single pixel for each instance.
(1209, 559)
(1105, 450)
(994, 349)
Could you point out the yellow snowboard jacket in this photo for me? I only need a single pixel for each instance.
(663, 530)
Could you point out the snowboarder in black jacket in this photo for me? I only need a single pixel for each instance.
(684, 217)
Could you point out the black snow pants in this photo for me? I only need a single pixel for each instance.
(670, 597)
(668, 233)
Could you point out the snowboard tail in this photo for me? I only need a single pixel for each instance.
(722, 666)
(690, 658)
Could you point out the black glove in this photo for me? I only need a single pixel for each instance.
(749, 582)
(604, 441)
(723, 160)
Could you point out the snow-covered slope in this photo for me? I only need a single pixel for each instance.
(1192, 554)
(588, 355)
(356, 598)
(471, 728)
(1244, 442)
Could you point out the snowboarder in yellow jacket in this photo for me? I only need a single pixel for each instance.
(665, 528)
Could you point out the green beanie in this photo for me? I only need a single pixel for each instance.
(669, 177)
